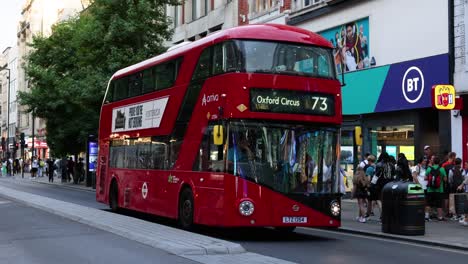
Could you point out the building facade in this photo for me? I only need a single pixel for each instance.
(38, 17)
(8, 111)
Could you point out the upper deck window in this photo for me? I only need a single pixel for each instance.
(158, 77)
(286, 58)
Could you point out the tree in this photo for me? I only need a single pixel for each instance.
(69, 70)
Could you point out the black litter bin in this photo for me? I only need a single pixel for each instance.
(461, 204)
(403, 208)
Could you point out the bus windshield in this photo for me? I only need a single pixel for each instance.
(286, 58)
(286, 158)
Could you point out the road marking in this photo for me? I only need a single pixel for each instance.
(391, 240)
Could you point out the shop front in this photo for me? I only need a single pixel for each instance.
(392, 107)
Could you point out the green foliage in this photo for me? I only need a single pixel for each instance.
(68, 71)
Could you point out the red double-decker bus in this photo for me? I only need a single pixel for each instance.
(240, 128)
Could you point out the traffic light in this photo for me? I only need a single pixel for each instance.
(22, 141)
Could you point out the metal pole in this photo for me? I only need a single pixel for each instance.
(33, 151)
(8, 117)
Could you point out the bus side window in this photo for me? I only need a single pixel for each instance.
(210, 156)
(110, 92)
(203, 66)
(134, 85)
(121, 89)
(147, 81)
(231, 59)
(218, 59)
(165, 75)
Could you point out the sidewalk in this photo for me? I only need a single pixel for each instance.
(444, 234)
(45, 180)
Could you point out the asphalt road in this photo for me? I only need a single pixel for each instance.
(303, 246)
(29, 235)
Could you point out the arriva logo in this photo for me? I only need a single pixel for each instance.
(210, 98)
(412, 85)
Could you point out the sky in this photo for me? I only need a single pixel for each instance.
(10, 14)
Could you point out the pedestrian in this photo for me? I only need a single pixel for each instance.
(79, 171)
(34, 167)
(385, 172)
(361, 184)
(64, 169)
(455, 179)
(70, 168)
(427, 153)
(50, 169)
(40, 169)
(461, 187)
(448, 165)
(436, 177)
(365, 161)
(372, 199)
(419, 173)
(402, 171)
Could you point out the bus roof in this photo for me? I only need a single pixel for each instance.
(257, 31)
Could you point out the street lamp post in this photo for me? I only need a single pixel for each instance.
(5, 67)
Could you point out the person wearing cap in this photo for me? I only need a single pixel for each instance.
(427, 152)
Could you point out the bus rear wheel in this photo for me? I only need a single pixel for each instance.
(186, 209)
(114, 197)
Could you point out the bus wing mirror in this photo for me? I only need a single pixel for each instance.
(218, 135)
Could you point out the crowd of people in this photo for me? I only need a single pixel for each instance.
(66, 169)
(440, 179)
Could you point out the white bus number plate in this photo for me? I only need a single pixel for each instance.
(294, 219)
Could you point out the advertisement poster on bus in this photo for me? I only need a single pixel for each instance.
(351, 45)
(138, 116)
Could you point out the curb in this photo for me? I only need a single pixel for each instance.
(401, 238)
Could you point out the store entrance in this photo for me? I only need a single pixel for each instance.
(393, 140)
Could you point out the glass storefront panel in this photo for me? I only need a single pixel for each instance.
(393, 140)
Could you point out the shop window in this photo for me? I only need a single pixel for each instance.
(393, 140)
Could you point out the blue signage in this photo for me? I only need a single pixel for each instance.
(93, 151)
(408, 84)
(399, 86)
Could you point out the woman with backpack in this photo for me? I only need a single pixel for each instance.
(361, 185)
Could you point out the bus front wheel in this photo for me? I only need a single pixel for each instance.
(114, 197)
(186, 209)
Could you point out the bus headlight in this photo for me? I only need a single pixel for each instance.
(246, 208)
(335, 208)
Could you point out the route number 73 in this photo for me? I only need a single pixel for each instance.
(321, 102)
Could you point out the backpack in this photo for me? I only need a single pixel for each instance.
(433, 178)
(457, 179)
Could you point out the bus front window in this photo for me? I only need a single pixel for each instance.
(286, 58)
(286, 158)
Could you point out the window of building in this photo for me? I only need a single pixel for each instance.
(194, 10)
(176, 16)
(312, 2)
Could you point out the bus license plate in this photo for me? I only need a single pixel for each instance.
(294, 219)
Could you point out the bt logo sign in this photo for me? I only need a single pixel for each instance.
(412, 84)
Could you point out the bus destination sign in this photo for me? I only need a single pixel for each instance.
(291, 102)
